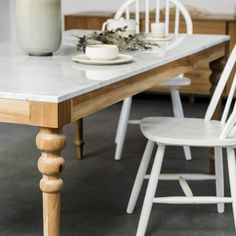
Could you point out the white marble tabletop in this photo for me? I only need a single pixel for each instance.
(58, 78)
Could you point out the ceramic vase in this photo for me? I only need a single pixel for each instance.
(39, 26)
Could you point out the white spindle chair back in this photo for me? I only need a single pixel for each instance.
(180, 10)
(228, 119)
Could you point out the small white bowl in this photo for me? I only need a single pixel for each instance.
(103, 52)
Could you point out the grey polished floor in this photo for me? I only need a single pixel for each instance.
(97, 189)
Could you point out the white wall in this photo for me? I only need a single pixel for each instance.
(89, 5)
(214, 6)
(4, 20)
(7, 10)
(12, 5)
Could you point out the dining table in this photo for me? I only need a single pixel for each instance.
(52, 92)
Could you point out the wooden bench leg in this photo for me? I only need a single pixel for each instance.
(50, 164)
(79, 143)
(217, 68)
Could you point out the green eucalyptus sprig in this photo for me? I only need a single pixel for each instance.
(131, 42)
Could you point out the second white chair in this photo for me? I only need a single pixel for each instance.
(170, 131)
(173, 84)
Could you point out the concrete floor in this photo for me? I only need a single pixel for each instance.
(97, 189)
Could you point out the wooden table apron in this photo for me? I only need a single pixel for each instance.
(51, 117)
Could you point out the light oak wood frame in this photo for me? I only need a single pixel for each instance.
(57, 115)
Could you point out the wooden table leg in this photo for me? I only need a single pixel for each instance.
(79, 143)
(50, 164)
(217, 67)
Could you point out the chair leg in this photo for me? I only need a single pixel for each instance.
(232, 179)
(178, 112)
(151, 190)
(122, 127)
(140, 176)
(219, 177)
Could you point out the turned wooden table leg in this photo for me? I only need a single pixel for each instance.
(217, 67)
(50, 164)
(79, 143)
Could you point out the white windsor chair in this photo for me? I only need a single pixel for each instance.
(174, 84)
(193, 132)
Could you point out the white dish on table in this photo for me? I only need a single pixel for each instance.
(102, 52)
(121, 59)
(114, 24)
(158, 39)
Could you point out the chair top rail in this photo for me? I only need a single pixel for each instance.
(180, 9)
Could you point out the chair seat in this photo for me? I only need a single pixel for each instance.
(177, 82)
(185, 131)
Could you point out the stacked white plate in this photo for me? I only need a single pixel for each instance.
(121, 59)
